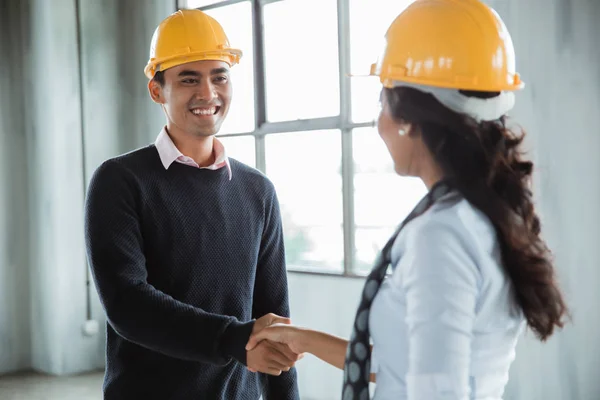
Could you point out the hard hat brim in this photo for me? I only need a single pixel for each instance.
(230, 56)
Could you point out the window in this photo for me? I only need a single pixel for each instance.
(300, 119)
(368, 23)
(236, 20)
(305, 169)
(197, 3)
(301, 62)
(241, 148)
(382, 199)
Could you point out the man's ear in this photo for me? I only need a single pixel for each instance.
(156, 92)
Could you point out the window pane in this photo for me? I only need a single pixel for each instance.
(197, 3)
(237, 23)
(369, 21)
(305, 168)
(382, 199)
(241, 148)
(301, 60)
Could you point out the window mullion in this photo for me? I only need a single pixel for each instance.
(260, 90)
(347, 158)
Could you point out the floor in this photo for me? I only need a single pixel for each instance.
(34, 386)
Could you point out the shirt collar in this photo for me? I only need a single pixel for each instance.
(169, 153)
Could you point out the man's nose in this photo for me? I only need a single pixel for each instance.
(206, 92)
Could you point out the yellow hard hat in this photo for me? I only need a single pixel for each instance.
(460, 44)
(186, 36)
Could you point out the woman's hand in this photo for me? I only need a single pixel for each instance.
(329, 348)
(290, 335)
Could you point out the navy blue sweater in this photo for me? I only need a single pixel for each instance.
(183, 260)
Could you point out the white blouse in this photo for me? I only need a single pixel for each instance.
(444, 325)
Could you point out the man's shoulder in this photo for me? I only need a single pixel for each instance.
(132, 163)
(132, 158)
(250, 176)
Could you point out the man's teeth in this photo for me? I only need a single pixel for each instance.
(204, 111)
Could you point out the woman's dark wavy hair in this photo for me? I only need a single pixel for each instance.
(484, 163)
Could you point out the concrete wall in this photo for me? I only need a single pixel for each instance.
(118, 115)
(61, 116)
(559, 58)
(42, 154)
(54, 147)
(15, 348)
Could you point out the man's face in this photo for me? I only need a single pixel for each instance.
(195, 96)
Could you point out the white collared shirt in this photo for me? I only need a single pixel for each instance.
(169, 153)
(442, 324)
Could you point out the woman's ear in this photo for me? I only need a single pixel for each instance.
(407, 129)
(413, 131)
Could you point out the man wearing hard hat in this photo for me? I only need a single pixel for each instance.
(185, 244)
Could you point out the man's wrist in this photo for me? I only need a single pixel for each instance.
(234, 340)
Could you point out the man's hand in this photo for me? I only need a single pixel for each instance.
(271, 358)
(294, 337)
(267, 320)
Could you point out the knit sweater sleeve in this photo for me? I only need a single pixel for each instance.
(271, 293)
(135, 309)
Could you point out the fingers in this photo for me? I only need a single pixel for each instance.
(279, 360)
(276, 319)
(273, 371)
(270, 371)
(270, 333)
(271, 358)
(270, 319)
(286, 351)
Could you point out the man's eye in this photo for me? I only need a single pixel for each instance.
(221, 79)
(190, 81)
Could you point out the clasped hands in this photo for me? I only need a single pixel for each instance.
(267, 350)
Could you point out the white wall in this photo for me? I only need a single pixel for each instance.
(328, 304)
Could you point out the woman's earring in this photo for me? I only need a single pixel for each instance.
(402, 132)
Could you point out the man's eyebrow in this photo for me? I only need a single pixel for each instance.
(188, 72)
(218, 71)
(215, 71)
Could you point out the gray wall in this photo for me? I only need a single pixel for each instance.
(56, 191)
(118, 115)
(558, 55)
(48, 97)
(42, 181)
(15, 348)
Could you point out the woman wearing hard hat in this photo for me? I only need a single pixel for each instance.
(469, 268)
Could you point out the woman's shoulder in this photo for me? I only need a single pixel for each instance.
(454, 214)
(452, 219)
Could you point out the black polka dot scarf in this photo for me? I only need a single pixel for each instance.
(357, 367)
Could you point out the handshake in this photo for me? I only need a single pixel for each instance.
(272, 347)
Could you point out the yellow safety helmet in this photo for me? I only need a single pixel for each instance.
(186, 36)
(460, 44)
